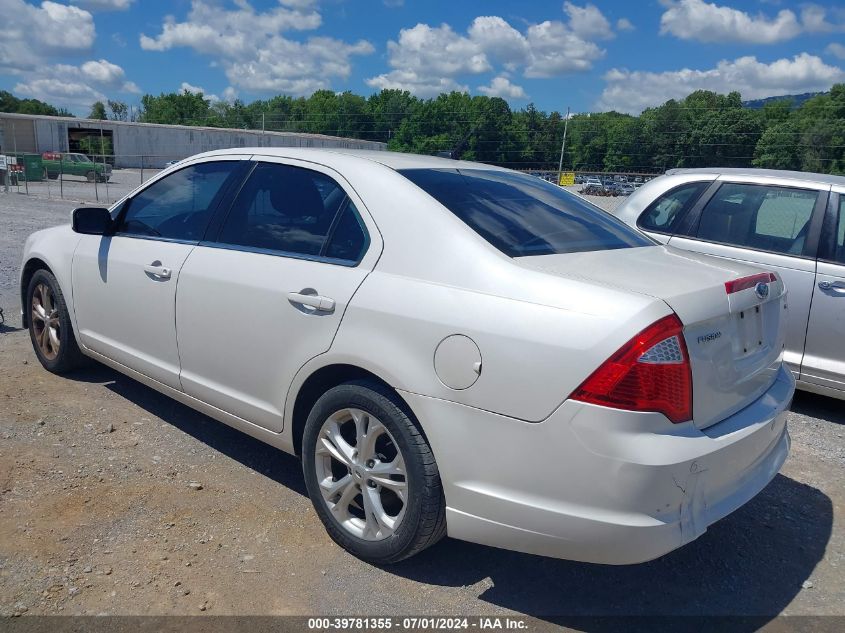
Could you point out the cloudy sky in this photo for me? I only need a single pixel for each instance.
(593, 55)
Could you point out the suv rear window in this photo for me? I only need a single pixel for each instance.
(522, 215)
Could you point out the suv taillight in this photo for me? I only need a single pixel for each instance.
(651, 372)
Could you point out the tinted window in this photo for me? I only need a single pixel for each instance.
(348, 239)
(178, 206)
(663, 214)
(839, 232)
(523, 216)
(763, 217)
(284, 208)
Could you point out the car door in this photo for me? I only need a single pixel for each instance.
(824, 356)
(124, 284)
(267, 292)
(772, 223)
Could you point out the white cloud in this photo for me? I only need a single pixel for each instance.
(624, 24)
(29, 34)
(427, 60)
(555, 50)
(837, 50)
(34, 38)
(393, 4)
(587, 21)
(815, 20)
(502, 87)
(102, 71)
(104, 5)
(421, 86)
(186, 87)
(708, 22)
(250, 47)
(76, 86)
(60, 91)
(499, 40)
(633, 91)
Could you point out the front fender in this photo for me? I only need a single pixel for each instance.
(55, 248)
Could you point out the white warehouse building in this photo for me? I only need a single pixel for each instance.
(147, 145)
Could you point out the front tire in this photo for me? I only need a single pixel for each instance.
(91, 176)
(50, 329)
(371, 474)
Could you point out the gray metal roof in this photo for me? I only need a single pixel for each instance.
(826, 179)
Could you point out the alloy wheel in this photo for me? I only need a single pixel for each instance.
(361, 473)
(46, 327)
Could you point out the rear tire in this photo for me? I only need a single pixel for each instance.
(50, 329)
(380, 498)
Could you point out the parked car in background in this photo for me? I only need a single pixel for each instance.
(789, 222)
(451, 347)
(73, 164)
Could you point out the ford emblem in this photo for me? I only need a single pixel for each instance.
(762, 290)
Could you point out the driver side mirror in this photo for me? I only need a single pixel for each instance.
(91, 221)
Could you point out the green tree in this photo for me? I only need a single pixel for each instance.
(98, 111)
(10, 103)
(119, 110)
(184, 108)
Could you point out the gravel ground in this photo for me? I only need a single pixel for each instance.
(115, 499)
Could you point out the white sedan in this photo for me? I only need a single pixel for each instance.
(452, 348)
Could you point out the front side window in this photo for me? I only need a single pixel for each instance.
(663, 214)
(180, 205)
(297, 211)
(523, 216)
(762, 217)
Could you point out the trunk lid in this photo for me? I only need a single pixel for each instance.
(735, 340)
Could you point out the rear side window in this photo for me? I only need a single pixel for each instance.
(762, 217)
(838, 254)
(840, 232)
(294, 211)
(179, 206)
(348, 240)
(662, 215)
(523, 216)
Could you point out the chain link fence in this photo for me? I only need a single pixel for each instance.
(93, 179)
(83, 178)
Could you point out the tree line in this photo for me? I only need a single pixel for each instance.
(704, 129)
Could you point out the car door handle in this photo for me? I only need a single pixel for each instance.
(157, 270)
(836, 286)
(319, 303)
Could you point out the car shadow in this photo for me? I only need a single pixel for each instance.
(751, 564)
(816, 406)
(6, 328)
(277, 465)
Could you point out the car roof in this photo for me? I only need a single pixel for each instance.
(827, 179)
(394, 160)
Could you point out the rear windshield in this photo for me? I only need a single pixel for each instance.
(523, 215)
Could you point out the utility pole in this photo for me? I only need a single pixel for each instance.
(563, 145)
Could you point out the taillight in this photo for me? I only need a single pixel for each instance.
(744, 283)
(649, 373)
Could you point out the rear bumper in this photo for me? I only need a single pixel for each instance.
(596, 484)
